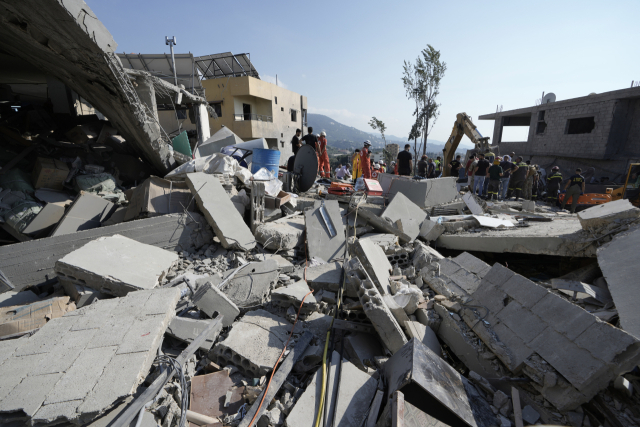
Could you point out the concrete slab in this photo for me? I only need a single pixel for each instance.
(621, 271)
(86, 380)
(32, 263)
(355, 393)
(426, 193)
(49, 216)
(9, 299)
(425, 335)
(223, 217)
(325, 276)
(282, 234)
(319, 241)
(209, 299)
(602, 215)
(408, 213)
(294, 294)
(430, 230)
(254, 343)
(187, 330)
(251, 285)
(115, 265)
(375, 263)
(86, 212)
(561, 237)
(284, 265)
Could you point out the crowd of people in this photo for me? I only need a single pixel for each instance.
(486, 175)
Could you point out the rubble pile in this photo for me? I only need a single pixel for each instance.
(319, 322)
(141, 286)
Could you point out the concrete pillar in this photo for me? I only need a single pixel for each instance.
(147, 95)
(202, 123)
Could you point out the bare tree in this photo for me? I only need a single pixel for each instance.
(380, 126)
(422, 84)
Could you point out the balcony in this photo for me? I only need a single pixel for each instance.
(256, 117)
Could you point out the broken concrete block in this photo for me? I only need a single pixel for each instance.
(214, 203)
(294, 294)
(86, 212)
(375, 263)
(78, 366)
(530, 415)
(425, 335)
(209, 299)
(474, 203)
(621, 271)
(430, 230)
(321, 244)
(325, 276)
(257, 204)
(284, 265)
(408, 213)
(9, 299)
(427, 192)
(187, 330)
(282, 234)
(602, 215)
(362, 347)
(354, 394)
(250, 285)
(424, 377)
(82, 295)
(115, 265)
(254, 343)
(528, 206)
(381, 317)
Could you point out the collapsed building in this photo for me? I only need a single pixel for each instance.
(163, 289)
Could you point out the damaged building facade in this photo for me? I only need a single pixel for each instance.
(141, 286)
(601, 131)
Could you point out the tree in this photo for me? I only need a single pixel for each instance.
(379, 125)
(422, 84)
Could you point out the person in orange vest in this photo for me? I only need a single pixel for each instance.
(323, 156)
(394, 167)
(365, 162)
(376, 171)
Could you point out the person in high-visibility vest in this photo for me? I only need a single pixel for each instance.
(365, 160)
(323, 156)
(355, 165)
(375, 172)
(438, 166)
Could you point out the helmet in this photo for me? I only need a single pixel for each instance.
(323, 133)
(376, 166)
(496, 162)
(555, 168)
(367, 143)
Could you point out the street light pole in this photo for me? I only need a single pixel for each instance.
(171, 42)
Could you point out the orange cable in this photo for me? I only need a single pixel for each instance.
(279, 358)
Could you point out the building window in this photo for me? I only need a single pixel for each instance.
(294, 115)
(580, 125)
(181, 114)
(281, 108)
(276, 100)
(540, 128)
(217, 107)
(304, 117)
(540, 115)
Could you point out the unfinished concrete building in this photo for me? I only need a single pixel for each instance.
(601, 131)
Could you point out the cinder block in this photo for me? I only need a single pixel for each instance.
(381, 317)
(210, 300)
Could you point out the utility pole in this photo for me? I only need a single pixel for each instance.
(172, 42)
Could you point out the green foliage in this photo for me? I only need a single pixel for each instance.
(421, 82)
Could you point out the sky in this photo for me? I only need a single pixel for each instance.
(347, 56)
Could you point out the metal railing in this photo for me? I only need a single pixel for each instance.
(258, 117)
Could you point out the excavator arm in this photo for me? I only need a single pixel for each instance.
(462, 126)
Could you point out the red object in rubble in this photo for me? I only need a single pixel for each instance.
(340, 188)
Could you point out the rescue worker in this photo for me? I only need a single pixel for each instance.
(310, 139)
(296, 142)
(323, 156)
(455, 166)
(365, 160)
(537, 186)
(422, 166)
(553, 185)
(394, 167)
(438, 163)
(490, 156)
(383, 167)
(495, 173)
(528, 182)
(507, 167)
(376, 171)
(518, 177)
(574, 189)
(431, 169)
(355, 165)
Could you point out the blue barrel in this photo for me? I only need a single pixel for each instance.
(262, 158)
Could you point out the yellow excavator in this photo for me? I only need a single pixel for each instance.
(462, 126)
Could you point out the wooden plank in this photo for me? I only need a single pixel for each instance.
(517, 408)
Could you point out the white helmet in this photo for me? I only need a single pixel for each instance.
(323, 133)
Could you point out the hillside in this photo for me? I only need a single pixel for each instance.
(348, 137)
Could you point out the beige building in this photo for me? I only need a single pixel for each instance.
(253, 108)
